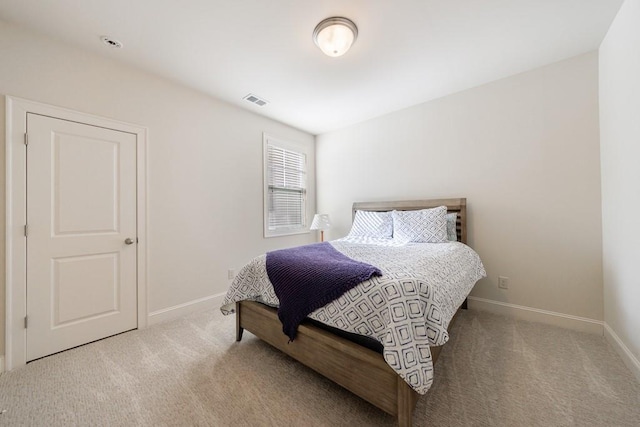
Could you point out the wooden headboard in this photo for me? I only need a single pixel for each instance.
(453, 205)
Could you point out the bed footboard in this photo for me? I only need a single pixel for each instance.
(358, 369)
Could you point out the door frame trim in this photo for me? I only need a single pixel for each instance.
(15, 251)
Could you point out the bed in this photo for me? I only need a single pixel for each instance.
(360, 369)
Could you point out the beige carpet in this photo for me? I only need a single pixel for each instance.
(495, 371)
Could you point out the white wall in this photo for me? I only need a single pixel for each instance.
(204, 164)
(620, 157)
(523, 150)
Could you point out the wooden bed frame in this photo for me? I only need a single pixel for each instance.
(356, 368)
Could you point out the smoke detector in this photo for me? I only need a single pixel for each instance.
(255, 100)
(111, 42)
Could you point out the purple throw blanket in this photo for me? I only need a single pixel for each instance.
(308, 277)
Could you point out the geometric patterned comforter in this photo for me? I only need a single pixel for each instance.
(407, 309)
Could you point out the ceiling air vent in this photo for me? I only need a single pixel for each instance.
(255, 100)
(111, 42)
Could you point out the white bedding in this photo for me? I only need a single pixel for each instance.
(407, 309)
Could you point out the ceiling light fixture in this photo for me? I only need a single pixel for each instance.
(334, 36)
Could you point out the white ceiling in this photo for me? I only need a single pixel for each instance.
(407, 52)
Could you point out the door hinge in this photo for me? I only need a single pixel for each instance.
(26, 138)
(26, 321)
(26, 230)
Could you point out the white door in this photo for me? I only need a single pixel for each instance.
(81, 209)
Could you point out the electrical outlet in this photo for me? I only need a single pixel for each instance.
(503, 282)
(231, 274)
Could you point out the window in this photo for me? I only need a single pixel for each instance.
(285, 176)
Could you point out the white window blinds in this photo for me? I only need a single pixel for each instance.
(286, 181)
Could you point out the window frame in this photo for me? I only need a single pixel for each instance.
(291, 146)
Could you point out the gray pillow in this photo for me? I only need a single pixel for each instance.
(452, 235)
(422, 226)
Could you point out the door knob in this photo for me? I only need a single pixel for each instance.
(129, 241)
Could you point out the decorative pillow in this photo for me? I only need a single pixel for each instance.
(372, 224)
(423, 226)
(452, 234)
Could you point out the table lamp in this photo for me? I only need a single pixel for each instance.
(321, 222)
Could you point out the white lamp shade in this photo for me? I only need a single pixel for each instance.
(321, 222)
(334, 36)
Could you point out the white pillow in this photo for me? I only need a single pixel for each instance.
(423, 226)
(372, 224)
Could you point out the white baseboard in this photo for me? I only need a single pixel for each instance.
(568, 321)
(212, 302)
(627, 356)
